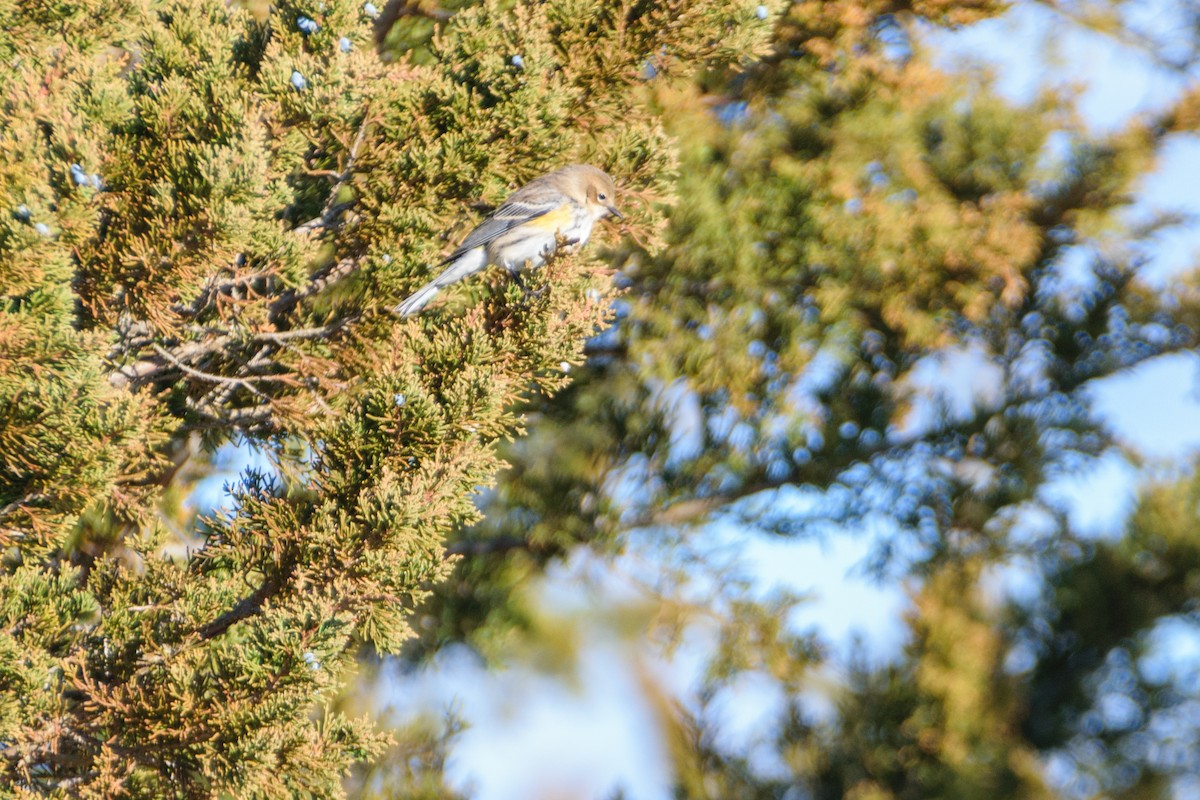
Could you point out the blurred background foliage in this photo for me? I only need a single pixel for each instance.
(854, 227)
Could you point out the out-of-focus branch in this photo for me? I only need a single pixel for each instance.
(243, 382)
(1125, 35)
(322, 279)
(215, 288)
(397, 9)
(334, 209)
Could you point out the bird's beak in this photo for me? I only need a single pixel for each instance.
(613, 210)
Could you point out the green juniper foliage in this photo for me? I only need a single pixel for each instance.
(206, 208)
(203, 208)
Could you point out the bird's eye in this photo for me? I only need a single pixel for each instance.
(601, 196)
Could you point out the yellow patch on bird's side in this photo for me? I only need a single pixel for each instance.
(557, 219)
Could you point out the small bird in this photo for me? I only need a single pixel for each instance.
(525, 229)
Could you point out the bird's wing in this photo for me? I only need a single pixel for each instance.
(523, 206)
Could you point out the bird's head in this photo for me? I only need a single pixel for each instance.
(598, 189)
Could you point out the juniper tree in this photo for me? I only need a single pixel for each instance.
(205, 208)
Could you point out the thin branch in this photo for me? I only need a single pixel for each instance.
(67, 784)
(245, 608)
(243, 382)
(279, 337)
(494, 546)
(244, 419)
(213, 289)
(327, 220)
(333, 209)
(1126, 36)
(37, 497)
(219, 395)
(134, 334)
(322, 279)
(396, 9)
(146, 369)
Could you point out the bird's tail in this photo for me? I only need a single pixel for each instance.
(418, 299)
(467, 264)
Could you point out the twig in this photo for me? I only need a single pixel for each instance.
(147, 369)
(214, 289)
(333, 209)
(319, 281)
(221, 393)
(15, 504)
(134, 334)
(299, 333)
(495, 546)
(1128, 37)
(396, 9)
(246, 607)
(245, 383)
(326, 221)
(339, 269)
(246, 419)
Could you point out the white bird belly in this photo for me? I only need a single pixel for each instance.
(527, 244)
(513, 251)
